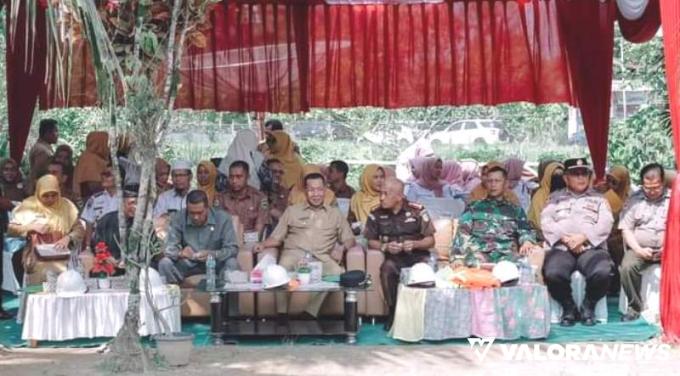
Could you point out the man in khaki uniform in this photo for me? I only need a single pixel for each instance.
(310, 226)
(643, 225)
(576, 223)
(244, 201)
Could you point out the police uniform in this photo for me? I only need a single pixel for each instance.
(646, 219)
(568, 213)
(98, 206)
(411, 223)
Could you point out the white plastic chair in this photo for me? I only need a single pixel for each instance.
(448, 208)
(578, 292)
(649, 291)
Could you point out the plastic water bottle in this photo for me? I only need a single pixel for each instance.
(433, 261)
(210, 271)
(526, 272)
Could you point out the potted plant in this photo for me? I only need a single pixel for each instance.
(103, 267)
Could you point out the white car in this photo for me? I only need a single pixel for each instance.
(472, 131)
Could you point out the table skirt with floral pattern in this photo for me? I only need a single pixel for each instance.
(507, 313)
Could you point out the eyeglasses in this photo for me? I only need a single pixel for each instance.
(277, 172)
(107, 174)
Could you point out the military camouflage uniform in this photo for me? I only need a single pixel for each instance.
(493, 229)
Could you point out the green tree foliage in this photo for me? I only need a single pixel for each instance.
(645, 136)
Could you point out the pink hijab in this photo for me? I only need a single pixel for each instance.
(427, 179)
(417, 165)
(515, 167)
(470, 175)
(452, 172)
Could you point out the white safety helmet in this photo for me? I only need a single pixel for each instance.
(275, 276)
(70, 283)
(506, 272)
(421, 274)
(155, 281)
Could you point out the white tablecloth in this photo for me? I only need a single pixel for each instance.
(95, 314)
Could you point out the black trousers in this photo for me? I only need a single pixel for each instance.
(595, 265)
(390, 272)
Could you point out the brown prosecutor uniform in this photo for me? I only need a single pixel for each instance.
(317, 230)
(411, 223)
(646, 219)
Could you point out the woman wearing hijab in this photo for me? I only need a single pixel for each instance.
(244, 148)
(552, 181)
(11, 183)
(206, 177)
(618, 182)
(45, 218)
(471, 177)
(283, 149)
(480, 192)
(452, 174)
(91, 164)
(515, 169)
(368, 197)
(297, 193)
(429, 183)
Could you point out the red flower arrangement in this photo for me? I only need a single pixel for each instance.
(102, 266)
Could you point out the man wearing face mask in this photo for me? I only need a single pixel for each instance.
(576, 223)
(551, 181)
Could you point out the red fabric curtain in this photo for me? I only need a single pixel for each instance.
(25, 72)
(643, 29)
(588, 31)
(279, 57)
(670, 261)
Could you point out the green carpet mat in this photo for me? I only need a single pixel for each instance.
(369, 335)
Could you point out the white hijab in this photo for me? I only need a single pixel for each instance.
(244, 148)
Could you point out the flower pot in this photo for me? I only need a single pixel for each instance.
(175, 348)
(103, 283)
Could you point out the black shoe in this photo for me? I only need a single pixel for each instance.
(307, 316)
(630, 316)
(588, 313)
(569, 316)
(4, 315)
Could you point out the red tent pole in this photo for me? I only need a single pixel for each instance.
(670, 261)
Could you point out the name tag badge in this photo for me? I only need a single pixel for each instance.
(409, 220)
